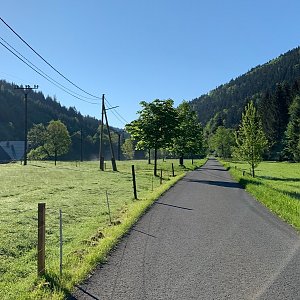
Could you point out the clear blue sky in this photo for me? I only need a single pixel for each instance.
(135, 50)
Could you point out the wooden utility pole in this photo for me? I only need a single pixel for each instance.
(113, 160)
(101, 156)
(26, 90)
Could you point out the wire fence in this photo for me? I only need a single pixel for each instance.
(82, 206)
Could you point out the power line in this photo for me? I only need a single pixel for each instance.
(64, 88)
(116, 114)
(50, 65)
(47, 77)
(41, 74)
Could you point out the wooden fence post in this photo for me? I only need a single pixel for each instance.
(60, 244)
(134, 182)
(173, 170)
(161, 176)
(41, 239)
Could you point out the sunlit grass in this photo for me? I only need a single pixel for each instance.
(87, 233)
(276, 185)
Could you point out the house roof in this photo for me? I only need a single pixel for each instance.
(13, 149)
(4, 157)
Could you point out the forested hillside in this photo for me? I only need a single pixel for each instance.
(274, 89)
(225, 103)
(43, 109)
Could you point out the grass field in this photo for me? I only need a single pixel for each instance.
(276, 185)
(87, 233)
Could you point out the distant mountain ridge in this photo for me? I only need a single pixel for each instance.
(227, 101)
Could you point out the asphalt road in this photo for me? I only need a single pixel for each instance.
(206, 238)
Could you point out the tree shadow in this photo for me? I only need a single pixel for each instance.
(279, 179)
(214, 169)
(295, 195)
(244, 182)
(217, 183)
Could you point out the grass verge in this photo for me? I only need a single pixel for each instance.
(276, 185)
(87, 233)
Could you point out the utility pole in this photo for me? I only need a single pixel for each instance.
(101, 157)
(113, 160)
(26, 90)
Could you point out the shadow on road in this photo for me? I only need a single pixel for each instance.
(85, 292)
(212, 169)
(217, 183)
(175, 206)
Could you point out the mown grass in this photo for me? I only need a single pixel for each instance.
(276, 185)
(87, 233)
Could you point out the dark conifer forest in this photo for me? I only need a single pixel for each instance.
(43, 109)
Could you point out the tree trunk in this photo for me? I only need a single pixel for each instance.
(155, 161)
(181, 160)
(55, 156)
(253, 173)
(149, 156)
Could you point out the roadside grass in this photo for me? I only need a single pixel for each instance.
(276, 185)
(79, 190)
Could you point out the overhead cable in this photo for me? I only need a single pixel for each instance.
(41, 74)
(50, 65)
(51, 79)
(116, 113)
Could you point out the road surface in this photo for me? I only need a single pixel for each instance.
(206, 238)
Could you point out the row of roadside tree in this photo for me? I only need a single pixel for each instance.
(161, 126)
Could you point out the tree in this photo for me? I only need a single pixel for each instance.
(58, 139)
(37, 136)
(156, 126)
(128, 149)
(222, 142)
(188, 139)
(250, 138)
(52, 141)
(292, 134)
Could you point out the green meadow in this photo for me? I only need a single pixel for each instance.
(276, 185)
(79, 190)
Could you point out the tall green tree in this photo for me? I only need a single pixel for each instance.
(156, 126)
(52, 141)
(292, 134)
(222, 142)
(58, 139)
(250, 138)
(189, 137)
